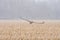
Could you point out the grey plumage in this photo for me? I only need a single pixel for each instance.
(31, 22)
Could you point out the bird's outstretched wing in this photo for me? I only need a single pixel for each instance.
(40, 22)
(32, 21)
(25, 19)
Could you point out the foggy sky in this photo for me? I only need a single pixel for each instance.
(33, 9)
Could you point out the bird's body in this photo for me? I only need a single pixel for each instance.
(31, 22)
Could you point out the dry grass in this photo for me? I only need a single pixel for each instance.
(18, 30)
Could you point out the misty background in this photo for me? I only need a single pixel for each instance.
(31, 9)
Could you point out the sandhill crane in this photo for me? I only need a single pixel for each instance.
(31, 22)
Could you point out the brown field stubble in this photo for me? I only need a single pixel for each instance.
(18, 30)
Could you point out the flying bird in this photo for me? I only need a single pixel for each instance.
(31, 22)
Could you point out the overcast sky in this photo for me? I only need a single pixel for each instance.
(33, 9)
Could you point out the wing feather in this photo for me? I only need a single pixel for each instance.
(32, 21)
